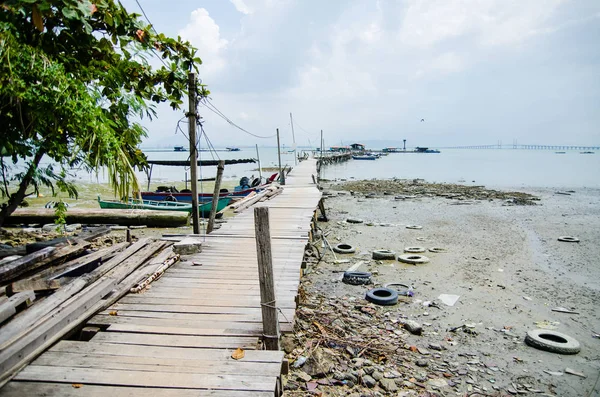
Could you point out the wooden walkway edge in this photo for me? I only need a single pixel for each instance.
(177, 337)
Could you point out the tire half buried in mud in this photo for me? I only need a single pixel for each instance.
(382, 296)
(552, 341)
(344, 249)
(384, 255)
(413, 259)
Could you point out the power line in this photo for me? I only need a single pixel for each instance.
(152, 27)
(210, 106)
(309, 133)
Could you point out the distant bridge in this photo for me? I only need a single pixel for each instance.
(527, 147)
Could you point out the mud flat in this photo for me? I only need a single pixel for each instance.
(502, 259)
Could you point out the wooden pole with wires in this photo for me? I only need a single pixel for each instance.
(281, 174)
(193, 151)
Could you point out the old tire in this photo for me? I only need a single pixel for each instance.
(413, 259)
(401, 289)
(382, 296)
(344, 249)
(384, 255)
(552, 341)
(568, 239)
(354, 220)
(356, 278)
(415, 250)
(437, 250)
(417, 227)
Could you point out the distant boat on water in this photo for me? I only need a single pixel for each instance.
(586, 152)
(233, 149)
(560, 152)
(179, 149)
(364, 157)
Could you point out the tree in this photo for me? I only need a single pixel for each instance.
(73, 73)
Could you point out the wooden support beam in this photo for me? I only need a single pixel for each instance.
(9, 307)
(215, 201)
(265, 274)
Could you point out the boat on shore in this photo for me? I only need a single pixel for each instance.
(154, 205)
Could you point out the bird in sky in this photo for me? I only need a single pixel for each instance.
(422, 120)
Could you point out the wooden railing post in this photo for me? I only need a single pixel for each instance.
(216, 196)
(266, 280)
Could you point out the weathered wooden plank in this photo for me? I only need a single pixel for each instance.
(20, 389)
(163, 352)
(248, 318)
(8, 307)
(215, 342)
(153, 364)
(19, 266)
(114, 377)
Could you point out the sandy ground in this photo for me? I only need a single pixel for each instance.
(507, 266)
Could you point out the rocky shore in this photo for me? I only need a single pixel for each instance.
(500, 261)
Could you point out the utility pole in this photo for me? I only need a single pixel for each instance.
(293, 139)
(281, 175)
(193, 152)
(321, 143)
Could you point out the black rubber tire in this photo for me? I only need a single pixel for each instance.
(344, 249)
(437, 250)
(401, 289)
(415, 250)
(413, 259)
(171, 198)
(384, 255)
(568, 239)
(255, 182)
(356, 278)
(354, 220)
(552, 341)
(382, 296)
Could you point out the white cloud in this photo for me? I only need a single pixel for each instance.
(488, 22)
(241, 7)
(204, 33)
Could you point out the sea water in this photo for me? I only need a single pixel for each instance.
(499, 168)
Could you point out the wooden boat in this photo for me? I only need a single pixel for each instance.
(204, 208)
(364, 157)
(186, 197)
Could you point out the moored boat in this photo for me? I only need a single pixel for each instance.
(155, 205)
(364, 157)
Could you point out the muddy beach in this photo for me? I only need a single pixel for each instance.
(502, 263)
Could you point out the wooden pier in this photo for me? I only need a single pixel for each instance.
(177, 338)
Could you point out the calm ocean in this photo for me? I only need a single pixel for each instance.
(493, 168)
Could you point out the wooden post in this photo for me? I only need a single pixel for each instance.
(281, 174)
(259, 166)
(215, 200)
(265, 278)
(128, 235)
(193, 152)
(294, 139)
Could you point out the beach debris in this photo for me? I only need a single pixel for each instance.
(299, 362)
(415, 250)
(552, 341)
(437, 250)
(356, 278)
(413, 259)
(238, 354)
(568, 239)
(354, 220)
(554, 373)
(384, 255)
(402, 289)
(382, 296)
(547, 324)
(564, 193)
(343, 248)
(573, 372)
(415, 227)
(448, 299)
(564, 310)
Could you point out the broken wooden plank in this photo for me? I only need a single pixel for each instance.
(15, 268)
(9, 306)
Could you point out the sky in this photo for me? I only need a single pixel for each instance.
(477, 71)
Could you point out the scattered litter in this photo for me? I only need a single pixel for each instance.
(299, 362)
(564, 310)
(573, 372)
(554, 373)
(527, 298)
(565, 193)
(238, 354)
(416, 227)
(354, 220)
(546, 324)
(568, 239)
(448, 299)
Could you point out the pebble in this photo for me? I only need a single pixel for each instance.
(369, 381)
(389, 385)
(413, 327)
(435, 346)
(422, 363)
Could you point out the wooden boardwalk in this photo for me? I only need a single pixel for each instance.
(176, 339)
